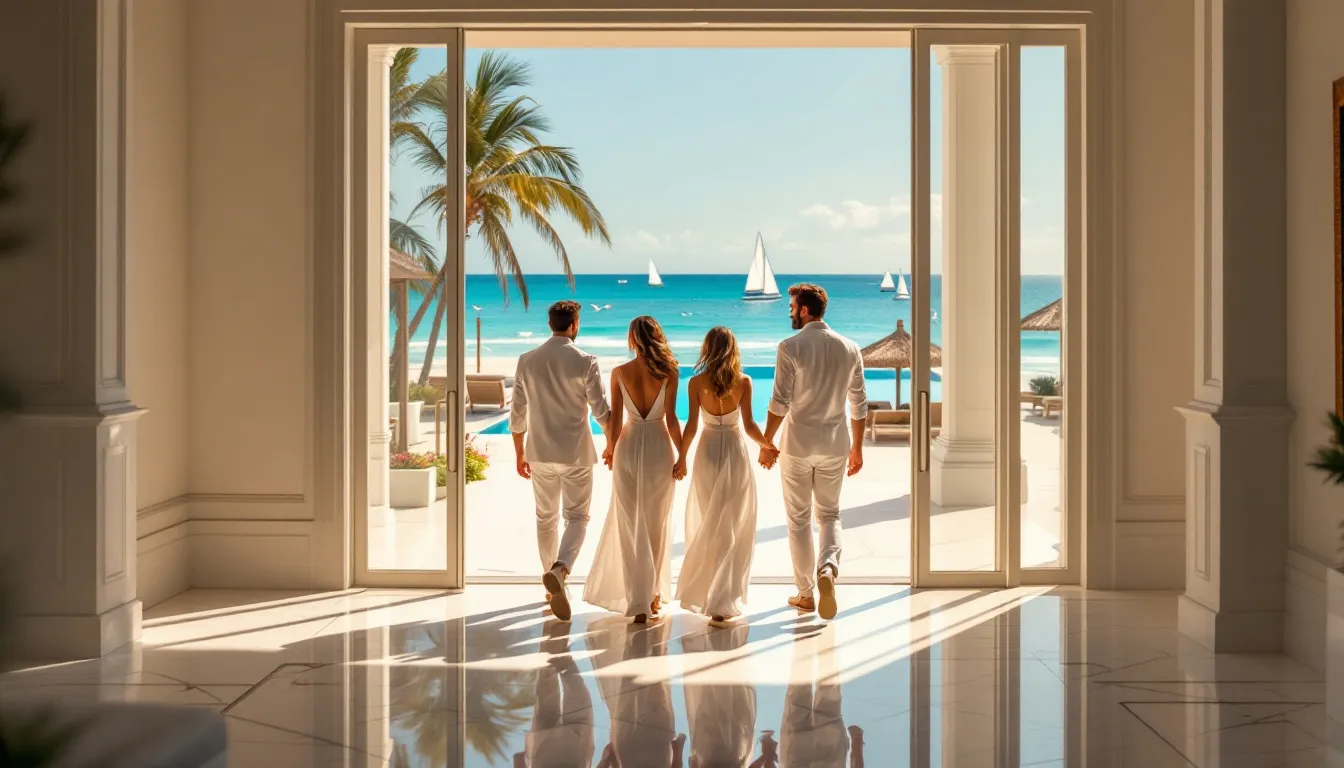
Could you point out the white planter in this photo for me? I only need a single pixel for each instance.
(412, 487)
(441, 492)
(413, 410)
(1334, 648)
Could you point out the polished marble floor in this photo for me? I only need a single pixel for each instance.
(1041, 677)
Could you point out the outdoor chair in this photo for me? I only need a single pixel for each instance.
(487, 390)
(897, 422)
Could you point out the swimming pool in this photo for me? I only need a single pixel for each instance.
(881, 386)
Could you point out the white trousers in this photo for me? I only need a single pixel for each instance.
(813, 483)
(561, 489)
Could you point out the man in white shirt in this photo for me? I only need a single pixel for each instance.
(555, 387)
(816, 371)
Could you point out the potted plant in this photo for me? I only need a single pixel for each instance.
(1044, 386)
(1330, 460)
(412, 480)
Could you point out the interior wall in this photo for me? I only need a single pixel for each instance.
(157, 289)
(249, 339)
(1156, 311)
(1315, 60)
(249, 342)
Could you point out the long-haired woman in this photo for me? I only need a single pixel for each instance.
(721, 507)
(633, 566)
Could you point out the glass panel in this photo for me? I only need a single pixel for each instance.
(1042, 266)
(963, 205)
(407, 506)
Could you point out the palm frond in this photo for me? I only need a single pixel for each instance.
(1330, 457)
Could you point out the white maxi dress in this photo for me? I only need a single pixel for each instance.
(720, 520)
(633, 561)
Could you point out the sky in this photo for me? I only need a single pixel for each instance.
(688, 153)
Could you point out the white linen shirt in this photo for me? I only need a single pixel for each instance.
(554, 387)
(816, 370)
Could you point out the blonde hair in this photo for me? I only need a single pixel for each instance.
(720, 361)
(650, 345)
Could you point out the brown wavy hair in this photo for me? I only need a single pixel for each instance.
(720, 361)
(648, 342)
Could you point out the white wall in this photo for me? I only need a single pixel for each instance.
(1315, 60)
(157, 268)
(249, 345)
(1157, 315)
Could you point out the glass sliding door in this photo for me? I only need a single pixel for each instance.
(408, 404)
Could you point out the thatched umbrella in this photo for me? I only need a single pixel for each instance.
(1047, 318)
(401, 270)
(894, 351)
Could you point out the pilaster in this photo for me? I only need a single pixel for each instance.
(1237, 425)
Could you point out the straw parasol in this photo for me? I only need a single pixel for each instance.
(1047, 318)
(894, 351)
(401, 270)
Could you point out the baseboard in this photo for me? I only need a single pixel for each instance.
(161, 564)
(250, 554)
(1149, 554)
(74, 637)
(1304, 609)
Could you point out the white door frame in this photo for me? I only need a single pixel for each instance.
(1007, 267)
(369, 55)
(1090, 495)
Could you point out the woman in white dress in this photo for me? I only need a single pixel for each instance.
(632, 569)
(721, 507)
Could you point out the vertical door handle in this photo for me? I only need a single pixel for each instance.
(454, 447)
(925, 430)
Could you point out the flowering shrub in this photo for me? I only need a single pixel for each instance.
(477, 461)
(412, 460)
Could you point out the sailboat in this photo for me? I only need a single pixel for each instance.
(761, 284)
(887, 285)
(655, 279)
(902, 290)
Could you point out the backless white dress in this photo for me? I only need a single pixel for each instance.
(720, 520)
(633, 561)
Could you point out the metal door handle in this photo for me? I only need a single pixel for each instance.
(454, 448)
(925, 430)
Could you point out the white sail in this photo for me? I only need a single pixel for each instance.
(655, 279)
(887, 285)
(902, 291)
(761, 283)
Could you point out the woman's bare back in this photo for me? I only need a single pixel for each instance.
(715, 405)
(642, 386)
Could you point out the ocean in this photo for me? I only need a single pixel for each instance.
(689, 305)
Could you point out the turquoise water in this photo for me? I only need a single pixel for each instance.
(881, 386)
(689, 305)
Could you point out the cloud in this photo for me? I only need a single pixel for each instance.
(645, 239)
(826, 214)
(862, 215)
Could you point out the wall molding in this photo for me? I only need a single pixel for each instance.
(1157, 551)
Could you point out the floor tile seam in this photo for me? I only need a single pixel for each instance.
(1154, 731)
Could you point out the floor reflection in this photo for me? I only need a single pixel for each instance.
(484, 678)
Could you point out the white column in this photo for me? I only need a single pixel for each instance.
(1237, 426)
(67, 461)
(963, 454)
(380, 438)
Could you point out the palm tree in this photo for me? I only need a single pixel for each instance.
(509, 171)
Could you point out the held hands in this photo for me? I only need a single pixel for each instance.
(769, 455)
(679, 469)
(855, 459)
(607, 454)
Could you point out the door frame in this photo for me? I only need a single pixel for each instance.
(1007, 267)
(1090, 467)
(369, 55)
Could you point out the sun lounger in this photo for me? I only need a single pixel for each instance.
(487, 390)
(897, 422)
(1052, 406)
